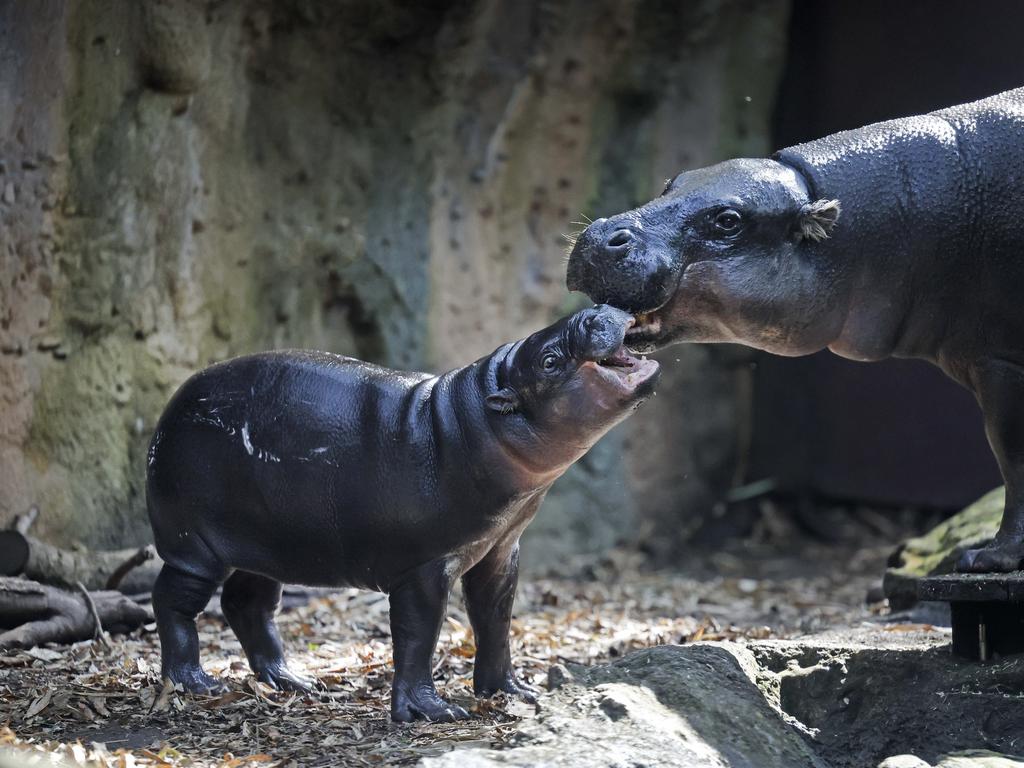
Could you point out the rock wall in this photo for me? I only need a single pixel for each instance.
(182, 181)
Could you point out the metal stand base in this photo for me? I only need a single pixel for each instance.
(987, 611)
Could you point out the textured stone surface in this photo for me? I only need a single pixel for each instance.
(181, 181)
(669, 706)
(896, 695)
(876, 694)
(974, 758)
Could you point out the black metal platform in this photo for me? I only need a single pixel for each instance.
(987, 611)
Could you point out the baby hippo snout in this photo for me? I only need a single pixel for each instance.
(602, 330)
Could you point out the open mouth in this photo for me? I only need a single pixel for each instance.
(620, 358)
(646, 328)
(625, 369)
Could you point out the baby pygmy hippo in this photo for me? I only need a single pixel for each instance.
(311, 468)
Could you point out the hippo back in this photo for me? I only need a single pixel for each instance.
(263, 454)
(931, 215)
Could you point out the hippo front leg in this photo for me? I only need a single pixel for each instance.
(999, 387)
(418, 607)
(490, 589)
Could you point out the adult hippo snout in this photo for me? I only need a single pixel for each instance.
(611, 263)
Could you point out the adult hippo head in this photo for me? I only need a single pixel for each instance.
(726, 253)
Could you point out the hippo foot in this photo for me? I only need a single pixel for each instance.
(422, 703)
(510, 685)
(194, 680)
(280, 678)
(997, 557)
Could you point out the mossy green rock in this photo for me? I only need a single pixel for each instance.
(937, 551)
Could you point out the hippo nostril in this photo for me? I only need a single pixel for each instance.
(619, 238)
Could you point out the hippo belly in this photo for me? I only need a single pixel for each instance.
(255, 467)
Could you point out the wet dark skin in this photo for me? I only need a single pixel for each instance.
(311, 468)
(903, 239)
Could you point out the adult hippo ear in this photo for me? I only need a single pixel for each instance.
(504, 401)
(816, 220)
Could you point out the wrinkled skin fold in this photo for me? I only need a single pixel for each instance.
(903, 238)
(311, 468)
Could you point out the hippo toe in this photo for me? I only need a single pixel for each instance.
(279, 677)
(510, 685)
(423, 703)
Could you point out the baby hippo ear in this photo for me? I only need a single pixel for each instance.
(816, 220)
(504, 401)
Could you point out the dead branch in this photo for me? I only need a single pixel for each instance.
(141, 556)
(33, 614)
(22, 523)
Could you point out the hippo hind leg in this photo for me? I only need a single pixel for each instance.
(999, 387)
(178, 598)
(250, 602)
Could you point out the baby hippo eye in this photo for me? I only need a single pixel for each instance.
(728, 221)
(549, 362)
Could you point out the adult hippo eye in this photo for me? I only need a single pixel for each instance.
(728, 222)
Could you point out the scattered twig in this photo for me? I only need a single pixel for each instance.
(98, 633)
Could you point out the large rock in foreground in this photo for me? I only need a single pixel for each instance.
(975, 758)
(668, 706)
(938, 550)
(887, 693)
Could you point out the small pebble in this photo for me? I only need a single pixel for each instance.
(747, 585)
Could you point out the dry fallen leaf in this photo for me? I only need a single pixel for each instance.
(44, 654)
(41, 703)
(89, 694)
(908, 628)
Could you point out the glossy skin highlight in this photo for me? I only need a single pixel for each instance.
(903, 238)
(311, 468)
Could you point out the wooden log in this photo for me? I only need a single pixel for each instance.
(21, 554)
(33, 614)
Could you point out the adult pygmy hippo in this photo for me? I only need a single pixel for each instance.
(927, 261)
(312, 468)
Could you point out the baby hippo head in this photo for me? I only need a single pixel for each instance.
(565, 386)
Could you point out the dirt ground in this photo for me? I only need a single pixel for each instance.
(103, 704)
